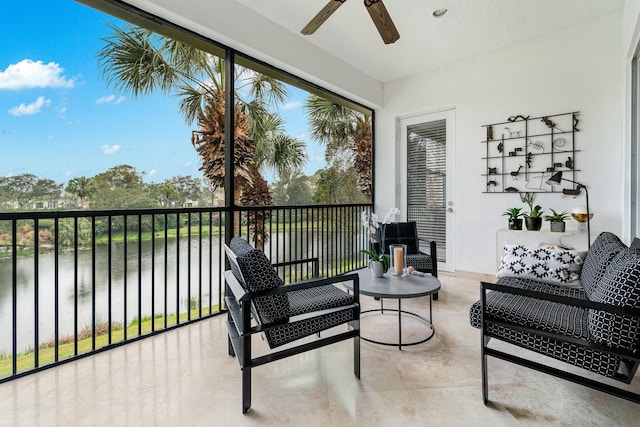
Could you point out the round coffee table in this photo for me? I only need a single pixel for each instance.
(398, 287)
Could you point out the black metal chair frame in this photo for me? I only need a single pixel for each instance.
(625, 376)
(240, 328)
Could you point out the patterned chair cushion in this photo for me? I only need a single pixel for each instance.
(257, 274)
(305, 301)
(547, 316)
(604, 248)
(421, 262)
(620, 285)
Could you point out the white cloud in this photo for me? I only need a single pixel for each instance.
(152, 172)
(28, 74)
(33, 108)
(110, 149)
(292, 105)
(111, 99)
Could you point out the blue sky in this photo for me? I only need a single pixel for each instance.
(60, 120)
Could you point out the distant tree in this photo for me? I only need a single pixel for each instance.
(188, 188)
(24, 189)
(347, 136)
(336, 186)
(164, 193)
(120, 187)
(80, 187)
(293, 190)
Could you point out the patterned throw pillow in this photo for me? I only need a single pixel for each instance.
(259, 274)
(559, 267)
(620, 285)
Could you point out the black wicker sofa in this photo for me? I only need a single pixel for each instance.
(594, 325)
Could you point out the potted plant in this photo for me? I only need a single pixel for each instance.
(515, 220)
(378, 261)
(533, 219)
(556, 221)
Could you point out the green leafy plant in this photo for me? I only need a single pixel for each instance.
(513, 213)
(534, 211)
(377, 257)
(371, 224)
(557, 217)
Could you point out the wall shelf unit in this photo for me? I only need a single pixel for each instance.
(523, 152)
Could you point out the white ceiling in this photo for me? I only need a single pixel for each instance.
(470, 28)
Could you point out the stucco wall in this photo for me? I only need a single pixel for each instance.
(577, 69)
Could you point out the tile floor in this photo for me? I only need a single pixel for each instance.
(185, 378)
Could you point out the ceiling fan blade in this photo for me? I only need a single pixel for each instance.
(322, 16)
(383, 21)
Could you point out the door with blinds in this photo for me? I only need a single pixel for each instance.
(429, 142)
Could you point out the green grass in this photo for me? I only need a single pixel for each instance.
(26, 361)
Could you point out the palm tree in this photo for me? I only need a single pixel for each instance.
(346, 134)
(137, 61)
(81, 187)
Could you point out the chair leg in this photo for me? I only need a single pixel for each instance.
(485, 382)
(356, 356)
(231, 351)
(246, 389)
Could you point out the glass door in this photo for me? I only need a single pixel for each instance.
(429, 188)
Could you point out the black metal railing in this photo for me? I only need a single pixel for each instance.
(74, 283)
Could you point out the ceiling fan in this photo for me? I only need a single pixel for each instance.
(376, 10)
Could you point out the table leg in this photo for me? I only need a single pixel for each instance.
(399, 324)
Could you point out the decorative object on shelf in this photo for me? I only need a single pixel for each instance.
(542, 145)
(513, 133)
(569, 163)
(516, 172)
(493, 183)
(537, 145)
(582, 215)
(578, 216)
(550, 124)
(515, 220)
(398, 259)
(533, 219)
(556, 221)
(575, 124)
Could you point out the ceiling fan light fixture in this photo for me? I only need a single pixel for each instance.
(439, 13)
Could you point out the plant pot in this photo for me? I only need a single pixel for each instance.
(557, 226)
(533, 224)
(376, 268)
(515, 223)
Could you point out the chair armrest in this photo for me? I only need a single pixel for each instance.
(243, 295)
(575, 302)
(315, 261)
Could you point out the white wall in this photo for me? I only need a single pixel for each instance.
(630, 42)
(577, 69)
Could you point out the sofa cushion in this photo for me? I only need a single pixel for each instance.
(620, 285)
(604, 248)
(257, 274)
(545, 265)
